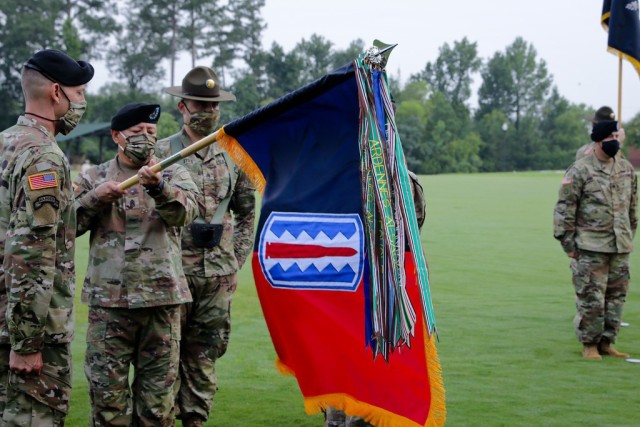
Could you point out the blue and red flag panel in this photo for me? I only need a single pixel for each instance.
(311, 263)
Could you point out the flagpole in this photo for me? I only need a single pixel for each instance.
(175, 158)
(620, 90)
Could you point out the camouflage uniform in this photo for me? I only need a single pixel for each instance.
(211, 273)
(134, 286)
(37, 281)
(585, 150)
(595, 216)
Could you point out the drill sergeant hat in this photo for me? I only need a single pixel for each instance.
(201, 84)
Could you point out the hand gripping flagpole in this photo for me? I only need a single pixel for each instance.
(185, 152)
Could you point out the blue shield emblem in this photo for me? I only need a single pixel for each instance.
(312, 251)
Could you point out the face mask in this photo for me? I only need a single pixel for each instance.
(611, 147)
(72, 117)
(203, 122)
(139, 148)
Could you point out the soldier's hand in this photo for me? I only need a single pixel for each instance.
(573, 255)
(25, 363)
(109, 192)
(147, 177)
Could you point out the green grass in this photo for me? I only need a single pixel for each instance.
(504, 305)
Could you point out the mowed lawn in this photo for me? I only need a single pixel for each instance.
(504, 306)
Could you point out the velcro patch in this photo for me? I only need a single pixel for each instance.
(42, 200)
(39, 181)
(567, 180)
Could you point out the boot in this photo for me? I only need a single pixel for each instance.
(591, 352)
(192, 420)
(608, 350)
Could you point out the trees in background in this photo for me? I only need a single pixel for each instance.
(521, 122)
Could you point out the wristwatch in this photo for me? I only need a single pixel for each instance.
(155, 191)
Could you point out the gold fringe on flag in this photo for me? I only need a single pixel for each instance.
(242, 159)
(378, 416)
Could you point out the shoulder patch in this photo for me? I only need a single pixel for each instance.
(42, 200)
(39, 181)
(43, 166)
(567, 180)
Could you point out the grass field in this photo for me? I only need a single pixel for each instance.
(504, 306)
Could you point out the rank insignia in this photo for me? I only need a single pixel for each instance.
(39, 181)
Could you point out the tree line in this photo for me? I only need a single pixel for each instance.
(521, 121)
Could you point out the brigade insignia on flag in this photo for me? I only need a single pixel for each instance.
(40, 181)
(312, 251)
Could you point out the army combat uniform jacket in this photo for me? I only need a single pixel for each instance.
(37, 231)
(135, 258)
(596, 208)
(212, 175)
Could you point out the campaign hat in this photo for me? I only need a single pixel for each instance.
(60, 68)
(132, 114)
(603, 113)
(201, 84)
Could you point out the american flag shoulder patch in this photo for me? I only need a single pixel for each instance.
(39, 181)
(567, 180)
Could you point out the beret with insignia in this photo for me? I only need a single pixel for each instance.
(59, 67)
(132, 114)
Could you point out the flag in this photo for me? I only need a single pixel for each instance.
(319, 242)
(620, 18)
(41, 181)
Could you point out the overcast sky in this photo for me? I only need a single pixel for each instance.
(566, 34)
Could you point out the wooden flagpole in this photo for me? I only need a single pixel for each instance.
(619, 90)
(185, 152)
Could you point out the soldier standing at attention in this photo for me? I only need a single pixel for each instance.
(37, 238)
(595, 221)
(603, 113)
(214, 247)
(134, 283)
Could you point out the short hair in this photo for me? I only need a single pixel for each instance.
(34, 84)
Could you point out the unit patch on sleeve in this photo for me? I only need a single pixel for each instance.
(40, 201)
(39, 181)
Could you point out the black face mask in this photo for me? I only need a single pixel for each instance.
(611, 147)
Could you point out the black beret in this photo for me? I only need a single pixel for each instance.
(603, 129)
(132, 114)
(59, 67)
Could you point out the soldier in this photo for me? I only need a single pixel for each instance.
(37, 238)
(603, 113)
(134, 283)
(595, 221)
(214, 247)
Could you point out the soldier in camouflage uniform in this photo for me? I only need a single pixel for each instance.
(595, 221)
(213, 248)
(37, 241)
(134, 283)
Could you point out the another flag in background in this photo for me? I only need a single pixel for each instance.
(311, 262)
(621, 19)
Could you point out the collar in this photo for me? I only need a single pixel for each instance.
(33, 123)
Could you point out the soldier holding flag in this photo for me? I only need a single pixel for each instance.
(135, 284)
